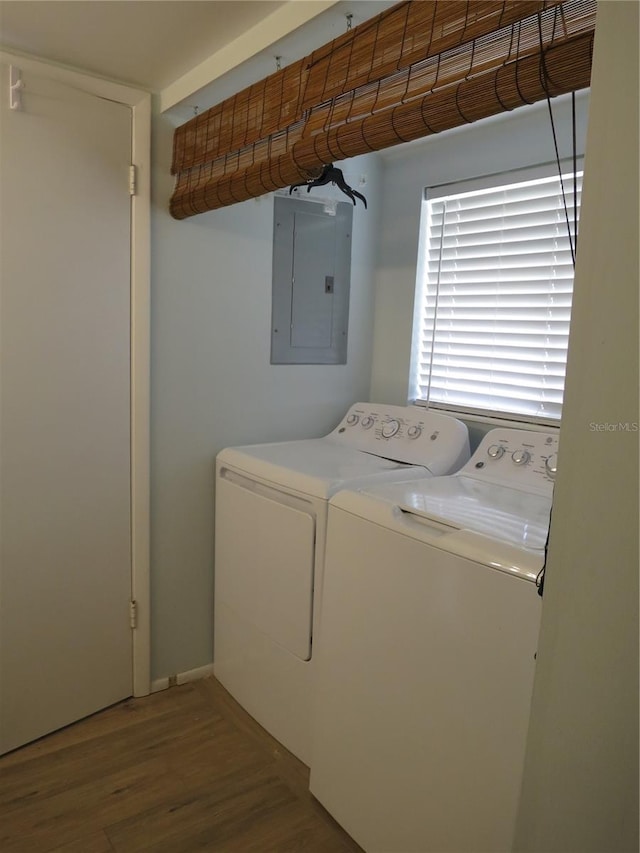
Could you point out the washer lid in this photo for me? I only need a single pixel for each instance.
(318, 467)
(492, 525)
(501, 513)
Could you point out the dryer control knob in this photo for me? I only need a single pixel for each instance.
(521, 457)
(551, 465)
(495, 451)
(414, 432)
(352, 420)
(390, 429)
(367, 422)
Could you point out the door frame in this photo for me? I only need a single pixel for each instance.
(140, 103)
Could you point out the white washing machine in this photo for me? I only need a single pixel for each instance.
(426, 651)
(270, 527)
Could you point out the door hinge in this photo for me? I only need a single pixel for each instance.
(132, 180)
(133, 614)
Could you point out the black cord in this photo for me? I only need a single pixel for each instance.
(575, 173)
(573, 242)
(545, 78)
(541, 573)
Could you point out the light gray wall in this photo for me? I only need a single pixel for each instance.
(510, 141)
(580, 791)
(213, 386)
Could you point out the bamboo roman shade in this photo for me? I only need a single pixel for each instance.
(420, 67)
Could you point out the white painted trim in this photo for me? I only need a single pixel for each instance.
(195, 674)
(182, 678)
(275, 26)
(76, 78)
(159, 684)
(140, 393)
(140, 103)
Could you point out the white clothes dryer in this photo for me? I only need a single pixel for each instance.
(426, 651)
(270, 528)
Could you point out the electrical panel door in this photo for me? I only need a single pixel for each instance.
(311, 278)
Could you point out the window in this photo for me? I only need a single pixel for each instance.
(493, 295)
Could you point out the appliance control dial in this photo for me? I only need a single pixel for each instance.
(390, 428)
(495, 451)
(353, 419)
(367, 422)
(551, 465)
(414, 432)
(521, 457)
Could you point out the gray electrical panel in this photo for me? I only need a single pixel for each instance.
(310, 285)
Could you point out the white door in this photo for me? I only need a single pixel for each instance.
(65, 513)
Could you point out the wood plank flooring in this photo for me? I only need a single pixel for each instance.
(181, 770)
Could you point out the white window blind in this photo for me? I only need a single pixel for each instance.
(493, 301)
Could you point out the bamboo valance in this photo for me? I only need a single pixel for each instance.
(418, 68)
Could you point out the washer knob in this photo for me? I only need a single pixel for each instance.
(367, 422)
(352, 420)
(551, 465)
(521, 457)
(495, 451)
(414, 431)
(390, 429)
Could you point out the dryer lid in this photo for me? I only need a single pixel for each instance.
(318, 467)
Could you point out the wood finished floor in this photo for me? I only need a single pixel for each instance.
(186, 769)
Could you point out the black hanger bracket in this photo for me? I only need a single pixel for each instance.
(331, 175)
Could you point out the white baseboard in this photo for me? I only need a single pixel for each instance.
(181, 678)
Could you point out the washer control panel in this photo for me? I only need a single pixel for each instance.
(518, 458)
(410, 434)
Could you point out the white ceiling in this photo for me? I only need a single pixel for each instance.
(191, 52)
(147, 43)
